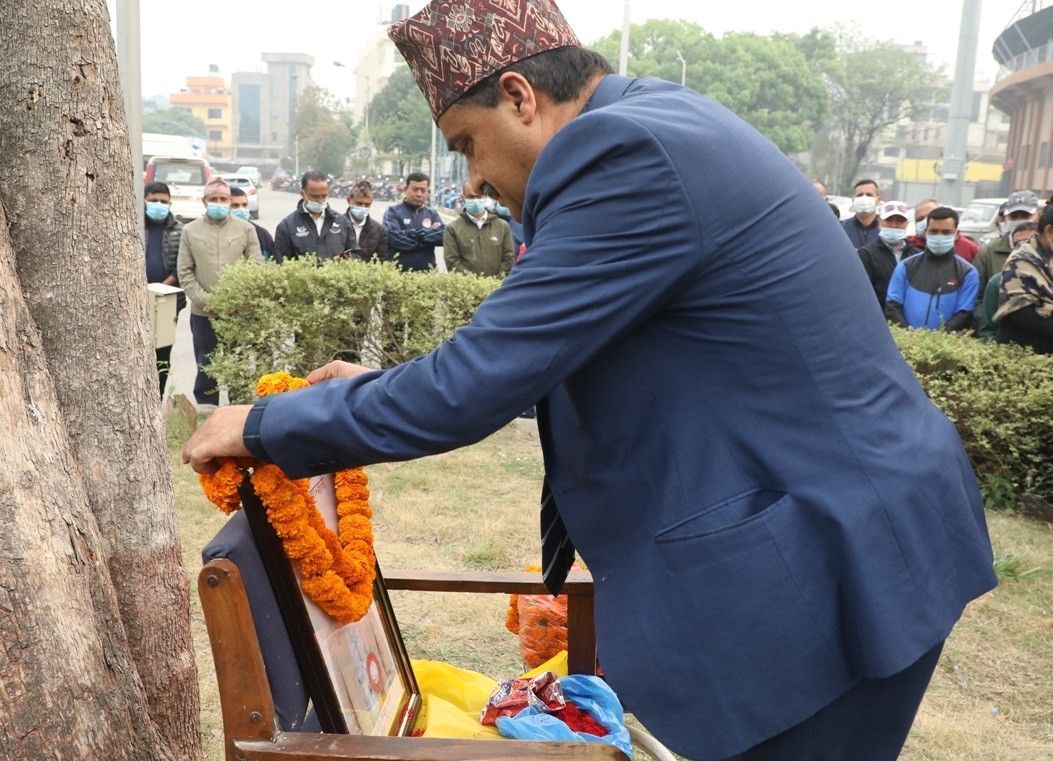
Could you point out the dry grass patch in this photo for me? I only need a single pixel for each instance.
(476, 508)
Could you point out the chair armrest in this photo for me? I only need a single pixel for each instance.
(300, 746)
(581, 629)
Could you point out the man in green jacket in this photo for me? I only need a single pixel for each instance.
(478, 241)
(1020, 208)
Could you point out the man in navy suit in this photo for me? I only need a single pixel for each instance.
(781, 526)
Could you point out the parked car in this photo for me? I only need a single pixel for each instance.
(253, 173)
(279, 179)
(978, 219)
(186, 179)
(245, 182)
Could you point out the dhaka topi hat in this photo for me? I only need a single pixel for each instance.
(216, 185)
(360, 189)
(453, 45)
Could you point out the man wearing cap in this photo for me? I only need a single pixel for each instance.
(478, 241)
(862, 228)
(413, 229)
(1022, 206)
(782, 528)
(881, 256)
(964, 246)
(936, 289)
(208, 245)
(371, 240)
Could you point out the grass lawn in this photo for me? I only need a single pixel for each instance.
(991, 698)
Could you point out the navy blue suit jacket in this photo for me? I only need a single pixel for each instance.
(770, 505)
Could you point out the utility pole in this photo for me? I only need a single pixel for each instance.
(954, 152)
(623, 58)
(683, 69)
(130, 70)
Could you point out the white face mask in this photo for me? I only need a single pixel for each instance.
(864, 205)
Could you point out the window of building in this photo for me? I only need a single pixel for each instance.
(248, 113)
(274, 136)
(215, 134)
(215, 113)
(892, 152)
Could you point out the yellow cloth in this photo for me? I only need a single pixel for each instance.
(453, 698)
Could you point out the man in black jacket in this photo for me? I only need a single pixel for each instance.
(161, 242)
(881, 256)
(314, 228)
(371, 239)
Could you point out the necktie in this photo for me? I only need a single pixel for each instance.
(557, 551)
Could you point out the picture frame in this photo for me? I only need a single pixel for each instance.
(358, 675)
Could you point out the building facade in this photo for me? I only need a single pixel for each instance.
(209, 99)
(1024, 90)
(264, 104)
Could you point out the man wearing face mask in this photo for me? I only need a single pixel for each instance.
(239, 207)
(863, 227)
(371, 240)
(1020, 208)
(478, 241)
(314, 228)
(964, 247)
(209, 244)
(503, 212)
(934, 290)
(161, 240)
(881, 256)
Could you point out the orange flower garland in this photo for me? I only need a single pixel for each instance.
(336, 569)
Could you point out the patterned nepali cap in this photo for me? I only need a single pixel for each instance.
(360, 189)
(452, 45)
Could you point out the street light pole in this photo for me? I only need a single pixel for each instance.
(623, 58)
(683, 69)
(296, 154)
(129, 69)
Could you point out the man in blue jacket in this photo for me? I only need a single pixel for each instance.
(781, 526)
(413, 229)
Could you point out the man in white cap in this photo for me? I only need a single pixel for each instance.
(781, 526)
(881, 256)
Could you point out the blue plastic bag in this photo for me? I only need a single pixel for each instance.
(590, 694)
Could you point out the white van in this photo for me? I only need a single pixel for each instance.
(186, 179)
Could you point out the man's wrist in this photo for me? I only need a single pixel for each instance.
(250, 434)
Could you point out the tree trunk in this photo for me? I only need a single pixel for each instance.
(95, 592)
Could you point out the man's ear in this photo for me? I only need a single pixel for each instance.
(515, 91)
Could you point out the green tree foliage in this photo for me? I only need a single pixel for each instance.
(174, 121)
(399, 118)
(768, 81)
(324, 129)
(873, 85)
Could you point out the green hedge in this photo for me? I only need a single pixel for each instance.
(297, 316)
(1000, 397)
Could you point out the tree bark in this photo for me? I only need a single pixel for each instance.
(94, 565)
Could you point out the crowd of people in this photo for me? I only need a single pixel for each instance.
(482, 240)
(940, 279)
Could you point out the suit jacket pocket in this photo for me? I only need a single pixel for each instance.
(731, 513)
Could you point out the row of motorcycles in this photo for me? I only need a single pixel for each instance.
(338, 186)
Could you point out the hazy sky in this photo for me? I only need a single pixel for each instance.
(183, 37)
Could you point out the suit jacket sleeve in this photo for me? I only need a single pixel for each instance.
(584, 281)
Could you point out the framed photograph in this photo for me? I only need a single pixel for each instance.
(358, 675)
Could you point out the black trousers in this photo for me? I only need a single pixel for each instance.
(870, 722)
(206, 390)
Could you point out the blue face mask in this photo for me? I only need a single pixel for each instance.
(919, 227)
(359, 212)
(157, 211)
(892, 235)
(501, 210)
(315, 207)
(475, 206)
(240, 214)
(217, 211)
(939, 244)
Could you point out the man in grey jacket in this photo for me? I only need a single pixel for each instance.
(208, 245)
(161, 235)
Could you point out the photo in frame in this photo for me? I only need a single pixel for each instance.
(358, 675)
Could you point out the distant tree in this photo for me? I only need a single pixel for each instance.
(873, 85)
(767, 81)
(174, 121)
(399, 118)
(324, 129)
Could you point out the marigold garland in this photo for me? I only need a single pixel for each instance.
(337, 569)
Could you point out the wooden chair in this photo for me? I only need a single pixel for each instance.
(253, 725)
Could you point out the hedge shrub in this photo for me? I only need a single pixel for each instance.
(1000, 397)
(297, 316)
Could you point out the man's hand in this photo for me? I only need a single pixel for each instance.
(336, 369)
(220, 436)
